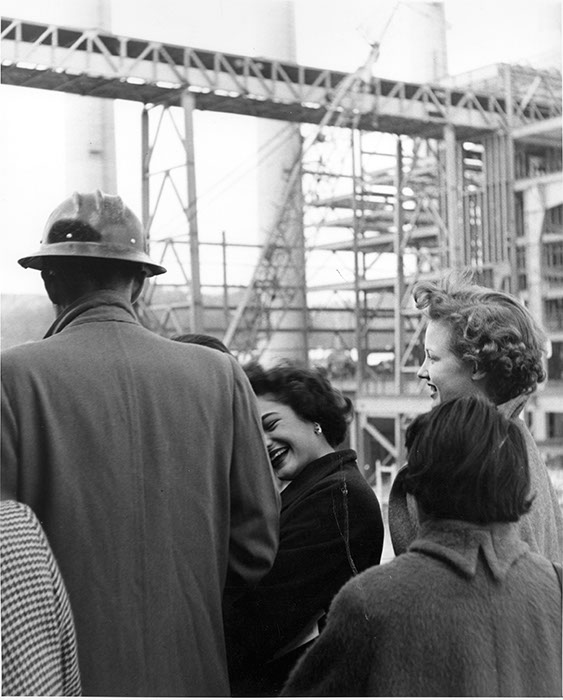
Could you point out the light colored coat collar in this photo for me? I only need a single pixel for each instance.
(461, 544)
(513, 407)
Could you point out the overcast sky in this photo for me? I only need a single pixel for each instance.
(329, 33)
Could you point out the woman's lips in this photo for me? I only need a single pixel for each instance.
(277, 455)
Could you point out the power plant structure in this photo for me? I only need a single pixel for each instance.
(393, 182)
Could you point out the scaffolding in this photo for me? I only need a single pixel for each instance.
(395, 182)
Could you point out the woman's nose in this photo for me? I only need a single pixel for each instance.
(422, 371)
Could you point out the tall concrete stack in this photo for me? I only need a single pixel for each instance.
(280, 201)
(413, 45)
(90, 130)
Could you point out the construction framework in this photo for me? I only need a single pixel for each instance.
(471, 177)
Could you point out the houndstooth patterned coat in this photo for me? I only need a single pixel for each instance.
(38, 641)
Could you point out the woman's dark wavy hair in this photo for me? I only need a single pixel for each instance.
(490, 329)
(308, 392)
(466, 461)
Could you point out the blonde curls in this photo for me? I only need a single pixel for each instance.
(490, 329)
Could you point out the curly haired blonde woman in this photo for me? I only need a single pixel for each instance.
(483, 342)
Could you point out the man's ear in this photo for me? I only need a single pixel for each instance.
(137, 286)
(51, 287)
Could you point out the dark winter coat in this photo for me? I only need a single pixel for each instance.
(145, 462)
(330, 528)
(467, 611)
(541, 528)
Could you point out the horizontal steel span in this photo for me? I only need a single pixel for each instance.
(95, 63)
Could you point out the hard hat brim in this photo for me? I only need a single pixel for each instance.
(90, 250)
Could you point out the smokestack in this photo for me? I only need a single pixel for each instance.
(90, 128)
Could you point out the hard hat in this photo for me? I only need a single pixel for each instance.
(94, 225)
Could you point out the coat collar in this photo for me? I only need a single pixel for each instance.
(96, 306)
(513, 407)
(317, 470)
(402, 514)
(462, 543)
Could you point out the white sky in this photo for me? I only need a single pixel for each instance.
(329, 33)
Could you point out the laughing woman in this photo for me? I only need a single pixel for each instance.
(330, 527)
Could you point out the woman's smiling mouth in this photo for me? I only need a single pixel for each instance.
(277, 455)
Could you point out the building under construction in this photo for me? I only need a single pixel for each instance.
(391, 182)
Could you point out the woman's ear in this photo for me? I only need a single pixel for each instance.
(478, 374)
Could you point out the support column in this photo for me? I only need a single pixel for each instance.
(358, 335)
(508, 152)
(225, 279)
(196, 307)
(143, 305)
(302, 253)
(511, 214)
(534, 214)
(399, 279)
(358, 339)
(452, 184)
(399, 295)
(145, 169)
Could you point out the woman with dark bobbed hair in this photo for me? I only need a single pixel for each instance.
(208, 341)
(330, 526)
(482, 342)
(469, 609)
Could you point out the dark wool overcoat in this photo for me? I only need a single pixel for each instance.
(145, 462)
(467, 611)
(330, 528)
(541, 527)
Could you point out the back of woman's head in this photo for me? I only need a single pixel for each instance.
(490, 329)
(208, 341)
(308, 393)
(466, 461)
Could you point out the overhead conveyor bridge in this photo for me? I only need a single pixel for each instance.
(99, 64)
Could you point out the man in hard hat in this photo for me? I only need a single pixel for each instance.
(143, 459)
